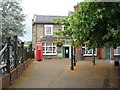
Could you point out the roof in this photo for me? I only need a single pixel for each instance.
(46, 18)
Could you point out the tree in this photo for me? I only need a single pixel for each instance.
(95, 22)
(12, 18)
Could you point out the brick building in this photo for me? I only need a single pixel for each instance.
(43, 29)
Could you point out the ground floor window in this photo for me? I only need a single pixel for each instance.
(117, 51)
(49, 48)
(88, 52)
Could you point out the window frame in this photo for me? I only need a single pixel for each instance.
(118, 52)
(51, 26)
(52, 46)
(86, 54)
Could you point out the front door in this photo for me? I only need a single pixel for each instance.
(66, 52)
(108, 53)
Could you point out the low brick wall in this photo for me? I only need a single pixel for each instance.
(5, 81)
(20, 69)
(13, 74)
(25, 65)
(29, 61)
(8, 79)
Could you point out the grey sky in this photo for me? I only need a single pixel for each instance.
(45, 7)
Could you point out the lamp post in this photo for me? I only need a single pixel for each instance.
(72, 66)
(74, 56)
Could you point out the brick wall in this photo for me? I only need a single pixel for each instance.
(112, 53)
(78, 53)
(13, 75)
(102, 53)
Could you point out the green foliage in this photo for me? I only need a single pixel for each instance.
(96, 22)
(12, 18)
(28, 44)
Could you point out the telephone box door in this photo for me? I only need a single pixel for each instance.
(39, 51)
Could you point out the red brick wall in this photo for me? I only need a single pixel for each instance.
(102, 53)
(13, 75)
(98, 53)
(20, 69)
(5, 81)
(112, 53)
(25, 65)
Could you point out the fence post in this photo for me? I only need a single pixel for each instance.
(15, 52)
(8, 55)
(22, 46)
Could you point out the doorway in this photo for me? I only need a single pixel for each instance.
(66, 52)
(108, 53)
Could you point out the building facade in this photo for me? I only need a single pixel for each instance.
(43, 30)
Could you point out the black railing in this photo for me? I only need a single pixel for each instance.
(13, 54)
(3, 59)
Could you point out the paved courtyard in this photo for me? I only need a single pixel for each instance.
(57, 74)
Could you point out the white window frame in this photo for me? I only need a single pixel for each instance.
(45, 26)
(53, 45)
(86, 54)
(115, 49)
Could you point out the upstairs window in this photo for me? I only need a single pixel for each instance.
(117, 51)
(48, 29)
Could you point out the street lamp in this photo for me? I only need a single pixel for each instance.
(72, 66)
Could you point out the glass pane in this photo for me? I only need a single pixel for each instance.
(48, 30)
(83, 50)
(48, 44)
(48, 49)
(115, 51)
(54, 49)
(94, 51)
(88, 51)
(43, 44)
(43, 49)
(54, 44)
(118, 50)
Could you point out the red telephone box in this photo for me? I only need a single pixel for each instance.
(39, 51)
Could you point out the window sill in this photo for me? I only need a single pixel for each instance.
(50, 54)
(116, 54)
(48, 35)
(89, 55)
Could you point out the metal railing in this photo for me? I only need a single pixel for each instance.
(2, 59)
(13, 54)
